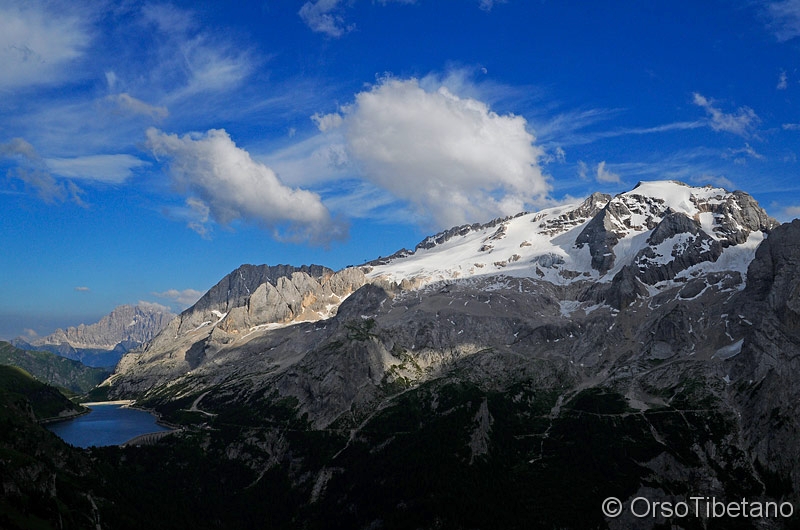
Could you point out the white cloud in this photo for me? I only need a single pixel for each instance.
(113, 169)
(326, 16)
(558, 155)
(604, 175)
(783, 82)
(183, 298)
(791, 126)
(136, 106)
(111, 79)
(327, 122)
(741, 123)
(199, 214)
(319, 158)
(583, 170)
(37, 42)
(784, 19)
(188, 61)
(740, 155)
(224, 178)
(453, 158)
(322, 17)
(82, 289)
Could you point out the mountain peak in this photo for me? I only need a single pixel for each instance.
(595, 238)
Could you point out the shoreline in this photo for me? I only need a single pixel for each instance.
(56, 419)
(126, 402)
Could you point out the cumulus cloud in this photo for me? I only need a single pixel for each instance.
(740, 123)
(327, 122)
(604, 175)
(784, 19)
(37, 42)
(219, 176)
(452, 158)
(183, 298)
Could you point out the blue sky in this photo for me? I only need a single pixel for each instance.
(149, 148)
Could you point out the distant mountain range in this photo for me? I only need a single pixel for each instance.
(103, 343)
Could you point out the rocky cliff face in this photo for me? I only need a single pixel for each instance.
(244, 305)
(125, 324)
(765, 370)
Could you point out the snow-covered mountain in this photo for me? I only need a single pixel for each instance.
(667, 230)
(647, 341)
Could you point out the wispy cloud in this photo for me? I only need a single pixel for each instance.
(739, 156)
(99, 168)
(791, 126)
(741, 123)
(82, 289)
(324, 16)
(136, 106)
(784, 19)
(783, 81)
(225, 183)
(38, 41)
(487, 5)
(605, 175)
(32, 170)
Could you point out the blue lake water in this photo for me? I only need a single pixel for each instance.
(106, 425)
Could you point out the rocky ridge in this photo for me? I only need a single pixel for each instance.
(126, 324)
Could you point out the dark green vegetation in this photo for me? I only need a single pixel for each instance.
(41, 400)
(446, 454)
(51, 368)
(42, 486)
